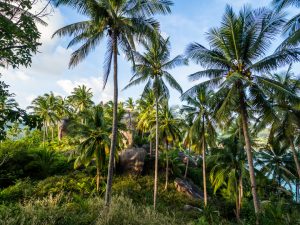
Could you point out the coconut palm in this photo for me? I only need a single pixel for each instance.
(228, 166)
(151, 67)
(62, 110)
(95, 136)
(121, 22)
(121, 125)
(202, 131)
(169, 130)
(146, 111)
(286, 125)
(130, 107)
(81, 99)
(146, 114)
(234, 63)
(187, 142)
(274, 161)
(292, 27)
(45, 106)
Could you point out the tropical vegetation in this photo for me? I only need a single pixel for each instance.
(227, 154)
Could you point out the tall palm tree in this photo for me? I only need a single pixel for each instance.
(151, 67)
(202, 131)
(81, 99)
(169, 130)
(95, 135)
(121, 22)
(234, 62)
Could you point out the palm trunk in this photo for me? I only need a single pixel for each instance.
(150, 148)
(52, 133)
(187, 165)
(240, 198)
(130, 125)
(156, 155)
(249, 154)
(46, 131)
(204, 172)
(44, 134)
(58, 132)
(167, 166)
(97, 176)
(114, 125)
(295, 156)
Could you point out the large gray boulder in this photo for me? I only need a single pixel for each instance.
(132, 160)
(188, 188)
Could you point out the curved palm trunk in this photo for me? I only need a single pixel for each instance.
(167, 166)
(156, 155)
(204, 172)
(114, 125)
(295, 156)
(249, 154)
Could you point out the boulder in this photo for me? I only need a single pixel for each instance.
(188, 188)
(183, 158)
(132, 160)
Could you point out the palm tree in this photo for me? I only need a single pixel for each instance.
(203, 134)
(81, 99)
(151, 67)
(146, 114)
(286, 125)
(130, 106)
(291, 28)
(228, 166)
(120, 22)
(234, 62)
(274, 161)
(121, 125)
(169, 130)
(95, 136)
(61, 110)
(44, 106)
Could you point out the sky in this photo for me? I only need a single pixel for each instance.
(188, 23)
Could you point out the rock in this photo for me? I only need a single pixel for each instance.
(132, 160)
(183, 158)
(63, 127)
(188, 188)
(191, 208)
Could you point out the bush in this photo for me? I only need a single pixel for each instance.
(21, 161)
(65, 210)
(21, 190)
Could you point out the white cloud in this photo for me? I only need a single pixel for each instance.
(94, 83)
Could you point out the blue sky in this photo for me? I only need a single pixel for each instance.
(49, 71)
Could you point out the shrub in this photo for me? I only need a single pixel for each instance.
(20, 190)
(65, 210)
